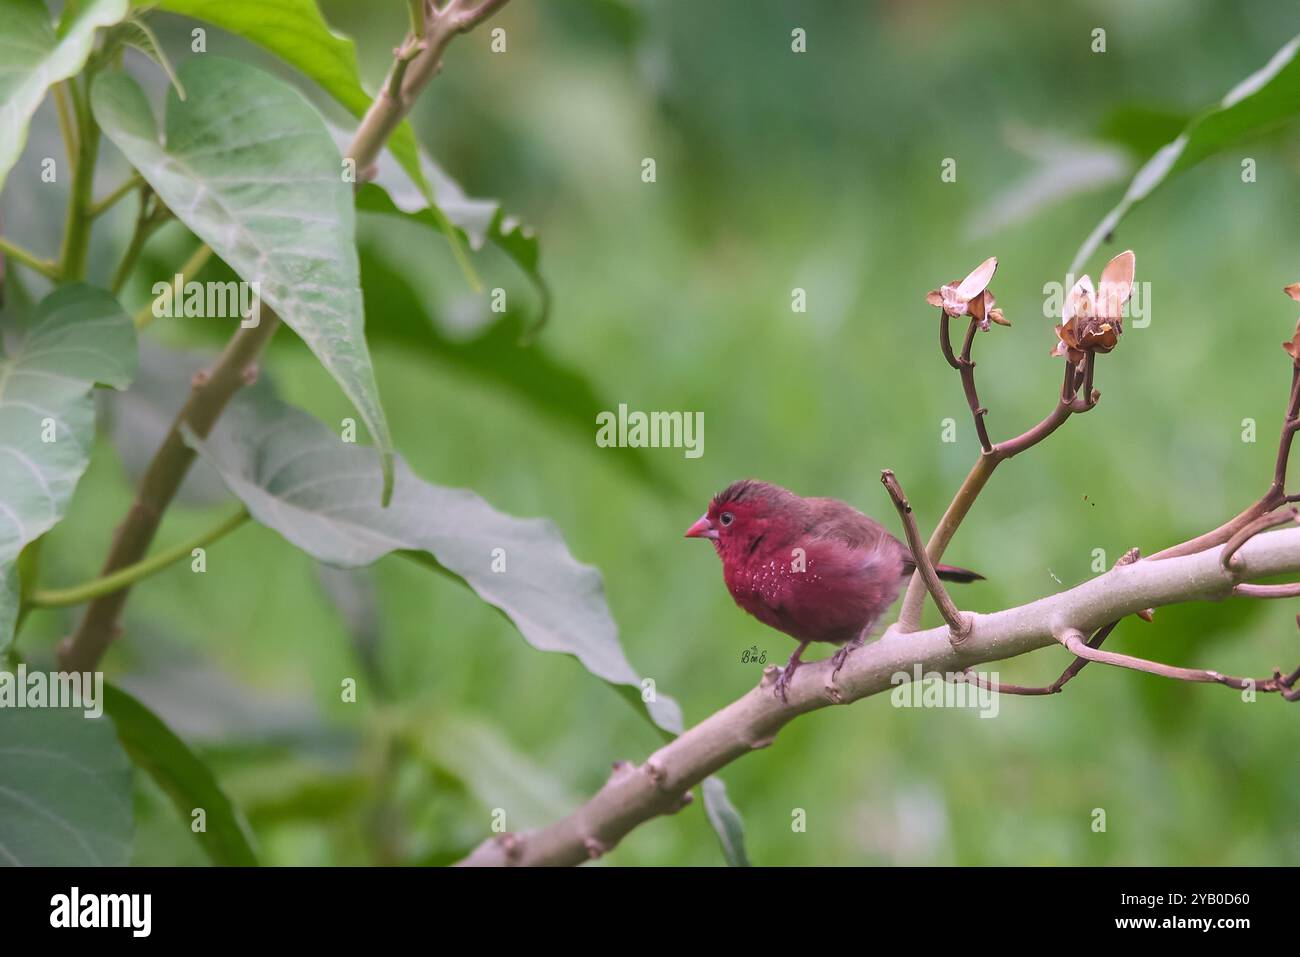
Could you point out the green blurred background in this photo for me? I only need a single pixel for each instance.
(775, 170)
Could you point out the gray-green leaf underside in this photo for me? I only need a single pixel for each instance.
(78, 337)
(298, 478)
(33, 57)
(65, 790)
(249, 167)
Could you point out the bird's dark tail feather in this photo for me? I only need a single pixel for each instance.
(948, 573)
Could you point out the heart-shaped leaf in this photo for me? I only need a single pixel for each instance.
(297, 477)
(65, 790)
(249, 167)
(33, 57)
(78, 336)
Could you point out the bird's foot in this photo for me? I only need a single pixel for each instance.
(841, 656)
(783, 683)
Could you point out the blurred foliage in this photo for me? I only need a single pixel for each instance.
(775, 171)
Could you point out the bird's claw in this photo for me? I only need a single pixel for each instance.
(783, 683)
(838, 659)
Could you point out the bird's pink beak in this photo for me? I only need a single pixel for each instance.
(702, 529)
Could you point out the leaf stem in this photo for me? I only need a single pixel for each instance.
(134, 181)
(76, 233)
(197, 260)
(107, 584)
(47, 268)
(65, 122)
(147, 222)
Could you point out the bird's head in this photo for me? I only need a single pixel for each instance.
(744, 514)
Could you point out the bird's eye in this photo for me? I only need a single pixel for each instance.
(727, 518)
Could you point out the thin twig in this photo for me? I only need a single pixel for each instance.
(1250, 530)
(1074, 640)
(1055, 687)
(959, 624)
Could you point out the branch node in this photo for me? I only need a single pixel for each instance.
(683, 800)
(595, 847)
(512, 846)
(656, 773)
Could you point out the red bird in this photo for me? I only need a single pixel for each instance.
(814, 568)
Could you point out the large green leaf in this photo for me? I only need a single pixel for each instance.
(65, 790)
(78, 336)
(33, 57)
(186, 780)
(250, 168)
(295, 31)
(1268, 97)
(297, 477)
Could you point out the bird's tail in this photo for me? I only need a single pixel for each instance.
(949, 573)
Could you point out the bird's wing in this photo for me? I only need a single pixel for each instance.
(830, 518)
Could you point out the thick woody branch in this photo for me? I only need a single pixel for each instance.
(958, 623)
(209, 395)
(638, 794)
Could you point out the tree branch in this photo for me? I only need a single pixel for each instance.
(634, 795)
(958, 623)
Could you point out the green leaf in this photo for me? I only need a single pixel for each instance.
(250, 168)
(726, 822)
(135, 32)
(186, 779)
(33, 57)
(295, 31)
(78, 336)
(491, 768)
(65, 790)
(478, 221)
(1268, 97)
(298, 478)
